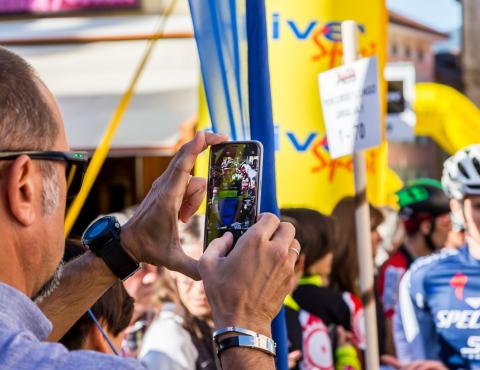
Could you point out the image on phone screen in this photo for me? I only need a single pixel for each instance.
(233, 189)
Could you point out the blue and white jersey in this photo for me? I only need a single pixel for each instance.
(440, 309)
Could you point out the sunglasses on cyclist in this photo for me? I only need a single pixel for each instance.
(76, 162)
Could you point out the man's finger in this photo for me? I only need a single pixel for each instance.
(193, 198)
(212, 139)
(266, 225)
(292, 255)
(179, 169)
(285, 232)
(219, 247)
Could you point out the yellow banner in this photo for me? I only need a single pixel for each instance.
(304, 40)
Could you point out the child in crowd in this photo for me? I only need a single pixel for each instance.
(318, 319)
(345, 268)
(180, 338)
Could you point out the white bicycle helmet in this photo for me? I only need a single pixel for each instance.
(461, 173)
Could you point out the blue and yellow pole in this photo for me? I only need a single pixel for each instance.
(261, 129)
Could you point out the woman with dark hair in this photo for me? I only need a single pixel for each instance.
(180, 338)
(345, 268)
(318, 319)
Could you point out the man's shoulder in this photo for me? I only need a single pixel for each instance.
(422, 272)
(81, 360)
(423, 265)
(34, 355)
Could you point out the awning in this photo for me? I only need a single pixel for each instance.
(88, 80)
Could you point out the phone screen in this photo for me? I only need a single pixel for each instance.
(233, 189)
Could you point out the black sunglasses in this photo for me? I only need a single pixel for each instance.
(77, 163)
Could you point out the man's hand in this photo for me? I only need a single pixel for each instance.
(247, 287)
(151, 235)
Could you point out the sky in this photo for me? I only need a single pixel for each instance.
(443, 15)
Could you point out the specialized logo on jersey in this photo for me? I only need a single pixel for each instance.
(317, 346)
(472, 352)
(458, 282)
(463, 319)
(473, 302)
(459, 319)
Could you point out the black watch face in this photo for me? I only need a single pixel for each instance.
(97, 228)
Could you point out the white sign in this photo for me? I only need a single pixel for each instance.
(401, 118)
(351, 107)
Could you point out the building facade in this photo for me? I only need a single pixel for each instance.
(411, 41)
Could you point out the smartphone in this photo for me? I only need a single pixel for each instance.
(233, 191)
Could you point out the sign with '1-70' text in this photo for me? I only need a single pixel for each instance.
(350, 97)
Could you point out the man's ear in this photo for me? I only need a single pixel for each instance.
(425, 227)
(96, 340)
(23, 188)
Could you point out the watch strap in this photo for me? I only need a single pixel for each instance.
(115, 257)
(235, 329)
(262, 343)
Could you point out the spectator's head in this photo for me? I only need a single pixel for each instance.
(33, 192)
(113, 310)
(317, 236)
(425, 211)
(345, 268)
(191, 293)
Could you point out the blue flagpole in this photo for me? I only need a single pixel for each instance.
(261, 127)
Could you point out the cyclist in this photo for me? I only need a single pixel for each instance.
(424, 210)
(440, 294)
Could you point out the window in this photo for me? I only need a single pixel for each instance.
(408, 52)
(394, 49)
(420, 54)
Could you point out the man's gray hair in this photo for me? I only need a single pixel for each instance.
(26, 120)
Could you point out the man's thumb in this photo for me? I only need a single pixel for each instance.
(220, 246)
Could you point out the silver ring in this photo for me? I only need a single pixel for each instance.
(295, 250)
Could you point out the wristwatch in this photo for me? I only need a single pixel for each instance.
(102, 237)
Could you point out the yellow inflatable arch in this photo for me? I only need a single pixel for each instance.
(447, 116)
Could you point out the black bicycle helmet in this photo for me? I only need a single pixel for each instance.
(423, 196)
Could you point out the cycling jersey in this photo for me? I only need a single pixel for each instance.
(440, 308)
(389, 279)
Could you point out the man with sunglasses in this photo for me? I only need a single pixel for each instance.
(245, 289)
